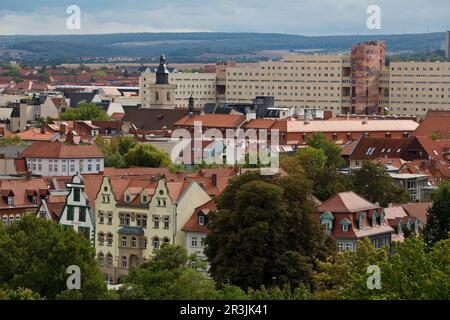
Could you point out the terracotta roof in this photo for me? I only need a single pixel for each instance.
(213, 120)
(348, 148)
(372, 148)
(192, 224)
(435, 122)
(418, 210)
(352, 125)
(34, 134)
(259, 124)
(56, 149)
(20, 188)
(346, 202)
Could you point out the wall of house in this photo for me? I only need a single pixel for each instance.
(193, 197)
(7, 166)
(64, 167)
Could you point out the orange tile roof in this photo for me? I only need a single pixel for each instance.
(192, 224)
(21, 189)
(435, 122)
(34, 134)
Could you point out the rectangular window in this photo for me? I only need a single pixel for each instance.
(156, 222)
(82, 215)
(70, 213)
(101, 217)
(166, 222)
(110, 218)
(76, 195)
(194, 242)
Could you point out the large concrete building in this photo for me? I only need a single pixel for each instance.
(358, 83)
(416, 87)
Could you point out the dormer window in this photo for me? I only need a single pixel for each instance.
(400, 228)
(345, 223)
(34, 200)
(10, 201)
(144, 199)
(361, 220)
(327, 220)
(382, 218)
(127, 198)
(201, 220)
(374, 218)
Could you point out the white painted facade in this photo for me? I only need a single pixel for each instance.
(77, 212)
(64, 167)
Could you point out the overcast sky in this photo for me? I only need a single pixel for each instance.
(304, 17)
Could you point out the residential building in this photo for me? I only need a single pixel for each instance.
(136, 215)
(397, 217)
(77, 212)
(60, 159)
(10, 162)
(20, 197)
(348, 218)
(416, 185)
(196, 229)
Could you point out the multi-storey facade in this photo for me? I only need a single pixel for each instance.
(135, 216)
(77, 212)
(359, 83)
(416, 87)
(59, 159)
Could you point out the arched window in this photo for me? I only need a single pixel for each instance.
(110, 239)
(101, 259)
(166, 240)
(109, 260)
(155, 242)
(101, 238)
(124, 262)
(133, 242)
(18, 217)
(5, 220)
(124, 241)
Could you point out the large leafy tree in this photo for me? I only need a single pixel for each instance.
(438, 223)
(35, 253)
(265, 233)
(410, 271)
(85, 111)
(313, 163)
(373, 182)
(170, 275)
(331, 150)
(146, 155)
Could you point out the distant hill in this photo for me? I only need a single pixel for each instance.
(196, 47)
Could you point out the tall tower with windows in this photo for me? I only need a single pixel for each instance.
(161, 93)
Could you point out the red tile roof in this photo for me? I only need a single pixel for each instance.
(435, 122)
(56, 149)
(192, 224)
(20, 188)
(346, 202)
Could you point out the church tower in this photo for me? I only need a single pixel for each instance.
(162, 93)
